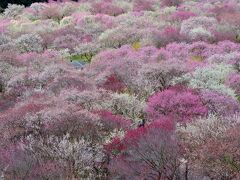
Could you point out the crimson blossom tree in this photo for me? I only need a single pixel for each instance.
(146, 153)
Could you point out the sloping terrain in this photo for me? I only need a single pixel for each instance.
(120, 89)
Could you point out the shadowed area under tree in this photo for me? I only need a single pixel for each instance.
(4, 3)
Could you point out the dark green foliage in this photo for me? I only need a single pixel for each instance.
(4, 3)
(1, 88)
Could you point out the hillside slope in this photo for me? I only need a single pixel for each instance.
(120, 89)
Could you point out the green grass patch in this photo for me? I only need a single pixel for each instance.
(82, 57)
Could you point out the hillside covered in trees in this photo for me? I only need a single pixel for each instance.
(120, 89)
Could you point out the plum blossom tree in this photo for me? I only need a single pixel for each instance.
(226, 32)
(127, 105)
(13, 10)
(211, 77)
(115, 38)
(232, 58)
(52, 11)
(110, 81)
(67, 37)
(212, 147)
(47, 169)
(225, 149)
(226, 47)
(140, 5)
(151, 152)
(69, 80)
(181, 104)
(106, 7)
(79, 158)
(234, 82)
(15, 162)
(4, 23)
(220, 104)
(154, 77)
(91, 100)
(198, 28)
(79, 123)
(113, 122)
(171, 2)
(4, 39)
(13, 122)
(29, 43)
(182, 15)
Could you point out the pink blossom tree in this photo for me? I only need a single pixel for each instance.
(233, 81)
(182, 104)
(106, 7)
(220, 104)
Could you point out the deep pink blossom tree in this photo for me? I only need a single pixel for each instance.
(182, 104)
(151, 152)
(112, 121)
(113, 83)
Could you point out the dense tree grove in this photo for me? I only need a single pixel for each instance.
(120, 89)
